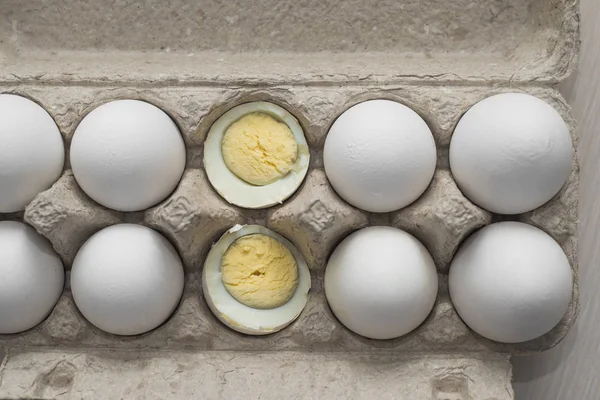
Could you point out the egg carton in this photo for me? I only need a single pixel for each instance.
(196, 60)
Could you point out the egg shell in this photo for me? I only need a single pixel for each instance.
(511, 282)
(31, 277)
(511, 153)
(238, 316)
(32, 152)
(127, 155)
(127, 279)
(381, 282)
(235, 190)
(379, 155)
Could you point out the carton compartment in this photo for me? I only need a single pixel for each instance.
(315, 219)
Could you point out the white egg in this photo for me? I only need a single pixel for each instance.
(379, 155)
(31, 277)
(511, 153)
(234, 189)
(127, 279)
(127, 155)
(32, 152)
(381, 282)
(510, 282)
(238, 316)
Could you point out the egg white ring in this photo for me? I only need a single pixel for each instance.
(234, 189)
(238, 316)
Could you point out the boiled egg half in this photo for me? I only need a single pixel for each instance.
(255, 281)
(256, 155)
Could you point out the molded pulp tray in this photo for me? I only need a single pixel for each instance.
(196, 60)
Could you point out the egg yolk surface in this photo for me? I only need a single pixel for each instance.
(259, 271)
(259, 149)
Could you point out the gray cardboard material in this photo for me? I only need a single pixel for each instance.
(196, 60)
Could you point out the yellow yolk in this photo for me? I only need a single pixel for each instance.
(259, 272)
(259, 149)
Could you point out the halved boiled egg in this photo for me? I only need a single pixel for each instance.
(256, 155)
(255, 281)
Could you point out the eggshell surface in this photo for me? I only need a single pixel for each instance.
(240, 317)
(379, 155)
(510, 282)
(234, 189)
(511, 153)
(32, 152)
(31, 277)
(381, 282)
(127, 155)
(127, 279)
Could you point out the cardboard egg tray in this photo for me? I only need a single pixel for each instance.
(196, 60)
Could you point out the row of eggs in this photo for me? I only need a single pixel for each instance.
(510, 282)
(510, 153)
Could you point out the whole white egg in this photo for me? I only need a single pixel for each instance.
(511, 153)
(379, 155)
(127, 155)
(381, 282)
(127, 279)
(510, 282)
(31, 277)
(32, 153)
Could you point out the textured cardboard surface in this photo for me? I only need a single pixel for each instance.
(289, 41)
(315, 219)
(196, 60)
(180, 375)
